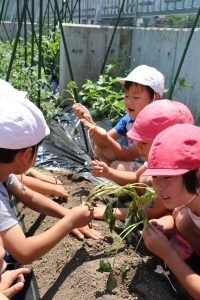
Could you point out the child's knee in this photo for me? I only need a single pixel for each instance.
(120, 165)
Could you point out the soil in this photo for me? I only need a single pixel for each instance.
(68, 271)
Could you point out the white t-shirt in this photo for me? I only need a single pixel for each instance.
(7, 215)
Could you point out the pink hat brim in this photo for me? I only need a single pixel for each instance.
(165, 172)
(138, 137)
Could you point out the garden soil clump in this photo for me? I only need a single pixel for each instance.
(68, 271)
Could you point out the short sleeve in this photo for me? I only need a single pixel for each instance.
(123, 125)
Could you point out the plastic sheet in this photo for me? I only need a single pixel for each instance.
(64, 150)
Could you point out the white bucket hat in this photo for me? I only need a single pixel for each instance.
(22, 124)
(6, 89)
(149, 76)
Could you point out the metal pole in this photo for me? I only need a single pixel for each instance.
(183, 56)
(32, 35)
(40, 49)
(104, 63)
(16, 40)
(69, 65)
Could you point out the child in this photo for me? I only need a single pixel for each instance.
(23, 128)
(142, 86)
(153, 119)
(174, 163)
(37, 183)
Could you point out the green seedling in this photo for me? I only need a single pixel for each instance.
(136, 216)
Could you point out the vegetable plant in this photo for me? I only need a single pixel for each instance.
(136, 216)
(105, 97)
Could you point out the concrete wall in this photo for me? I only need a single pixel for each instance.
(159, 48)
(163, 49)
(87, 47)
(9, 30)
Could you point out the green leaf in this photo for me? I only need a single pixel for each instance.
(111, 283)
(75, 131)
(148, 196)
(110, 217)
(124, 272)
(105, 266)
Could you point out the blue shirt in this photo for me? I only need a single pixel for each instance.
(124, 125)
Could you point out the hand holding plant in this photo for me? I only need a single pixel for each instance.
(82, 112)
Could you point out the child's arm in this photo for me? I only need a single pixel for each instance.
(155, 211)
(100, 209)
(26, 250)
(45, 188)
(42, 176)
(100, 169)
(45, 206)
(158, 243)
(84, 115)
(120, 151)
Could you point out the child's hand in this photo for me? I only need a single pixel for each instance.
(7, 279)
(82, 231)
(59, 191)
(155, 223)
(93, 129)
(99, 211)
(99, 169)
(82, 112)
(82, 215)
(156, 241)
(88, 232)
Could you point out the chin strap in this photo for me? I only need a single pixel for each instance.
(193, 197)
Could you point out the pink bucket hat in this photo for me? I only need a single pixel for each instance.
(149, 76)
(175, 151)
(158, 116)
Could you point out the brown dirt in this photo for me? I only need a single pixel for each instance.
(68, 271)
